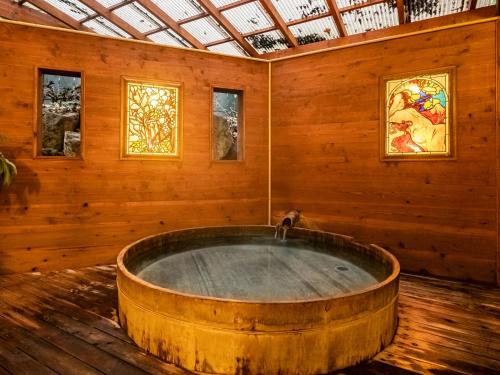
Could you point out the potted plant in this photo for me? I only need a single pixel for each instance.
(7, 170)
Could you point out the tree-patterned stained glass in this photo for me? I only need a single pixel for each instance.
(418, 116)
(152, 119)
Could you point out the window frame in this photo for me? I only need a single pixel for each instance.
(124, 126)
(37, 111)
(241, 121)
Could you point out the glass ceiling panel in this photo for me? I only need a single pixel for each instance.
(138, 17)
(374, 17)
(291, 10)
(423, 10)
(72, 8)
(229, 48)
(169, 38)
(268, 42)
(109, 3)
(485, 3)
(206, 30)
(347, 3)
(102, 26)
(179, 9)
(315, 31)
(248, 18)
(221, 3)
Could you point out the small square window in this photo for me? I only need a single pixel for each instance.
(59, 114)
(227, 124)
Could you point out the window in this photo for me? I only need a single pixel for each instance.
(60, 114)
(227, 124)
(151, 120)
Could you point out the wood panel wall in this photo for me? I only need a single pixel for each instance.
(437, 217)
(70, 213)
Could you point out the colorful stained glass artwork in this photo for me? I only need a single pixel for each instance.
(418, 116)
(152, 119)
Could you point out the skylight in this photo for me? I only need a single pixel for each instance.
(138, 17)
(249, 17)
(221, 25)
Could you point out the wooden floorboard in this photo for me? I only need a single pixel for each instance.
(66, 323)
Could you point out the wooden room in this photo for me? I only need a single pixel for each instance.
(249, 187)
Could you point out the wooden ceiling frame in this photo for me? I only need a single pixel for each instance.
(401, 11)
(13, 11)
(337, 18)
(362, 5)
(279, 22)
(221, 9)
(57, 14)
(111, 8)
(333, 10)
(226, 25)
(57, 17)
(170, 23)
(107, 13)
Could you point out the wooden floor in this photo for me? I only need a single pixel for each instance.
(66, 322)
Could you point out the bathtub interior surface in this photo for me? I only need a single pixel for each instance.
(260, 268)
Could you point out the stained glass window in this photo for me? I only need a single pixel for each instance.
(60, 114)
(227, 127)
(151, 121)
(418, 113)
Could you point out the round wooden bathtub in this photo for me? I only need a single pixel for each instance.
(234, 300)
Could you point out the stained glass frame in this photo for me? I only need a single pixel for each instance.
(131, 142)
(39, 72)
(241, 91)
(443, 78)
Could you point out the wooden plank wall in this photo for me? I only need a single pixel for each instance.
(437, 217)
(498, 142)
(70, 213)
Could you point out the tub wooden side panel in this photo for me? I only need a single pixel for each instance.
(199, 347)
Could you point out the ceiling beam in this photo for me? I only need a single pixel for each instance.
(308, 18)
(334, 10)
(231, 30)
(57, 14)
(16, 12)
(401, 11)
(170, 22)
(387, 33)
(279, 22)
(221, 9)
(111, 8)
(106, 13)
(362, 5)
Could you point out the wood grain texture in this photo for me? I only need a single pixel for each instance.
(235, 332)
(14, 11)
(66, 213)
(497, 128)
(437, 217)
(444, 327)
